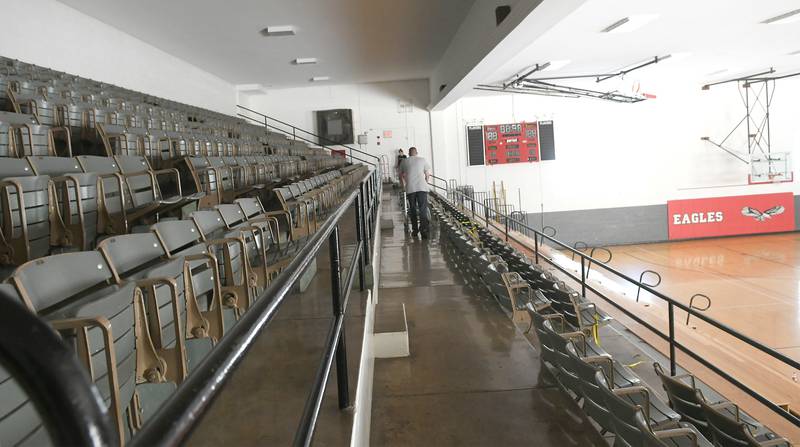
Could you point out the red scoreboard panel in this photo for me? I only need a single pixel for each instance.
(511, 143)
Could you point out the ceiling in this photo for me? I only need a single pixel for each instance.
(354, 40)
(707, 36)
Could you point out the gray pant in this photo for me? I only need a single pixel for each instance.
(418, 207)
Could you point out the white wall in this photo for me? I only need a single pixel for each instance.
(53, 35)
(376, 108)
(614, 155)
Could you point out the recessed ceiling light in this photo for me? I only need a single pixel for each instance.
(630, 23)
(557, 65)
(787, 17)
(278, 31)
(320, 78)
(305, 60)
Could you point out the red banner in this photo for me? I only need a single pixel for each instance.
(727, 216)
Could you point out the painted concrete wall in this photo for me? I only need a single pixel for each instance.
(618, 155)
(606, 226)
(53, 35)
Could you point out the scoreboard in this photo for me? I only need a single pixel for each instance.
(511, 143)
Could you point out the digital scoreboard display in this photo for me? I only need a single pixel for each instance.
(511, 143)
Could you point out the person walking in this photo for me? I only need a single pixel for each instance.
(400, 159)
(414, 175)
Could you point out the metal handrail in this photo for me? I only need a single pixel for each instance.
(312, 142)
(671, 303)
(175, 420)
(329, 142)
(50, 374)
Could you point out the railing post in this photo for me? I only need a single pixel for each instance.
(338, 312)
(359, 238)
(505, 219)
(583, 276)
(294, 133)
(536, 247)
(671, 310)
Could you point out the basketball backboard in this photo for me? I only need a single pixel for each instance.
(773, 167)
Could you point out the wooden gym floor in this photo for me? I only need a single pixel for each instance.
(754, 286)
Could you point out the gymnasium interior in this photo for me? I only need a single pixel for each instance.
(207, 236)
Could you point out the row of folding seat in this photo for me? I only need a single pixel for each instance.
(67, 103)
(60, 202)
(609, 392)
(143, 309)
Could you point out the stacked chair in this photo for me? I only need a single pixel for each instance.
(566, 326)
(142, 230)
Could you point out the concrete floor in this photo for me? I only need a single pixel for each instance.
(263, 402)
(472, 378)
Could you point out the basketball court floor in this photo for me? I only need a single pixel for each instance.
(752, 284)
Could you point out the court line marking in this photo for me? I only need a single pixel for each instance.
(721, 275)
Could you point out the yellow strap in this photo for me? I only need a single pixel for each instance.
(596, 330)
(635, 364)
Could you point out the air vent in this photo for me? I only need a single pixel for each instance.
(501, 13)
(305, 61)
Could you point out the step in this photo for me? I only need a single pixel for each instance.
(390, 334)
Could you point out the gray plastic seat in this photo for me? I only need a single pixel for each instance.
(660, 416)
(119, 211)
(32, 231)
(182, 239)
(21, 135)
(77, 292)
(76, 193)
(625, 418)
(20, 422)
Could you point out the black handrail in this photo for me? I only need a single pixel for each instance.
(312, 142)
(49, 372)
(671, 305)
(175, 420)
(329, 142)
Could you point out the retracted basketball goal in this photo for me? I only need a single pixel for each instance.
(772, 167)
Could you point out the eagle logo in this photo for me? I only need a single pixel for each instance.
(762, 216)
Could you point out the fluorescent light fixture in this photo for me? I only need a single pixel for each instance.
(557, 65)
(677, 56)
(630, 23)
(786, 17)
(320, 78)
(278, 31)
(794, 53)
(305, 61)
(718, 72)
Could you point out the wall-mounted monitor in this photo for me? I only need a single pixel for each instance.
(335, 126)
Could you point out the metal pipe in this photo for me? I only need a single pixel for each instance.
(303, 130)
(175, 420)
(308, 422)
(671, 320)
(49, 372)
(670, 338)
(343, 387)
(730, 331)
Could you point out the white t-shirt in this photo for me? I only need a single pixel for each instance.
(414, 168)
